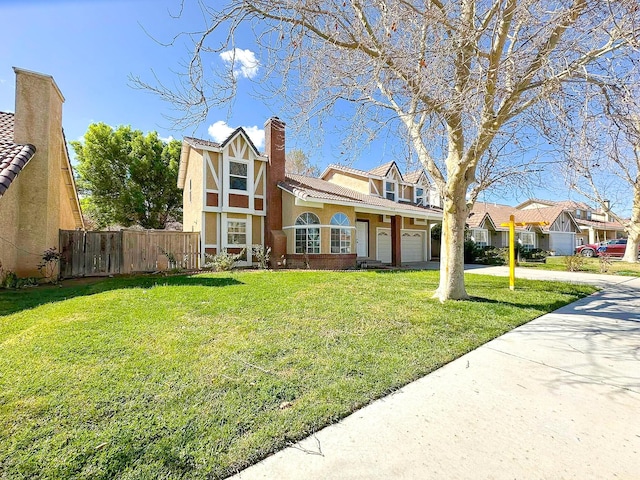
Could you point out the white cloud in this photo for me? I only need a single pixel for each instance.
(220, 130)
(244, 62)
(167, 139)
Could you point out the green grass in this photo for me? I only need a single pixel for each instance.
(196, 377)
(590, 265)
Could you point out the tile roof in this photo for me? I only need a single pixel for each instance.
(344, 168)
(13, 156)
(601, 225)
(200, 143)
(413, 177)
(315, 188)
(498, 214)
(382, 170)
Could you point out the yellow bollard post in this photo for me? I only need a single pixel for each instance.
(512, 253)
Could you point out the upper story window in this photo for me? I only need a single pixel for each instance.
(340, 236)
(578, 213)
(238, 176)
(588, 214)
(307, 233)
(390, 190)
(421, 198)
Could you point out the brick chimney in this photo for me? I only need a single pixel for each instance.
(275, 150)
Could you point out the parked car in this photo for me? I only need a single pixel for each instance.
(613, 248)
(588, 250)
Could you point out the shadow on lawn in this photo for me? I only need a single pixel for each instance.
(12, 301)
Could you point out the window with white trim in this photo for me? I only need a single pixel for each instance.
(390, 190)
(527, 240)
(236, 233)
(421, 196)
(340, 237)
(237, 176)
(307, 230)
(480, 237)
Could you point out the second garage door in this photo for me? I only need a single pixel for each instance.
(412, 246)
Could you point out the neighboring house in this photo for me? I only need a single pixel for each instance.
(559, 236)
(37, 191)
(237, 197)
(595, 224)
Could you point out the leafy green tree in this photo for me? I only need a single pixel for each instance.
(129, 178)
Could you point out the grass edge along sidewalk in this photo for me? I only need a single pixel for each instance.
(199, 376)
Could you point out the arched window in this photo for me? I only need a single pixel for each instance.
(340, 236)
(307, 233)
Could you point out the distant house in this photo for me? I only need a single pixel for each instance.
(237, 197)
(595, 224)
(558, 236)
(38, 195)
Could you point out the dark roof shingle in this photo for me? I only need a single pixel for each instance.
(13, 156)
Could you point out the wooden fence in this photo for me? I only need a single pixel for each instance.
(87, 254)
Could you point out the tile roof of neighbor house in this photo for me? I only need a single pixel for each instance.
(309, 188)
(13, 156)
(200, 143)
(601, 225)
(500, 214)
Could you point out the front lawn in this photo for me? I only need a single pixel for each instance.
(590, 265)
(196, 377)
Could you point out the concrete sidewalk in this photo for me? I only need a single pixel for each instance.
(558, 398)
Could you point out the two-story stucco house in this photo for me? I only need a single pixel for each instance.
(237, 197)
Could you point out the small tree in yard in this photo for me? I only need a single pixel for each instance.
(457, 77)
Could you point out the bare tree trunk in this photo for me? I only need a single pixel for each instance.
(454, 217)
(633, 230)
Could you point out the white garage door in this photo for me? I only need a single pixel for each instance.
(562, 243)
(383, 245)
(412, 246)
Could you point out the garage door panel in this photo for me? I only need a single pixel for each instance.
(384, 246)
(412, 246)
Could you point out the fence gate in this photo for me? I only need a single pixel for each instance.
(86, 254)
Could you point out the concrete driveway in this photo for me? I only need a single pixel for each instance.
(558, 398)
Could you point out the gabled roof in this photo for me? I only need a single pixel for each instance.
(414, 177)
(384, 169)
(345, 169)
(200, 143)
(497, 214)
(13, 156)
(310, 189)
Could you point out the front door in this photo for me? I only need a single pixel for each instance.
(362, 239)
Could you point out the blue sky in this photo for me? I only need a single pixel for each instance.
(91, 48)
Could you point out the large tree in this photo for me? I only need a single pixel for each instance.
(297, 162)
(127, 177)
(458, 76)
(603, 151)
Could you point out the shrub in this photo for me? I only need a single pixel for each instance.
(605, 263)
(223, 261)
(49, 263)
(262, 256)
(9, 280)
(492, 256)
(574, 263)
(535, 255)
(471, 251)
